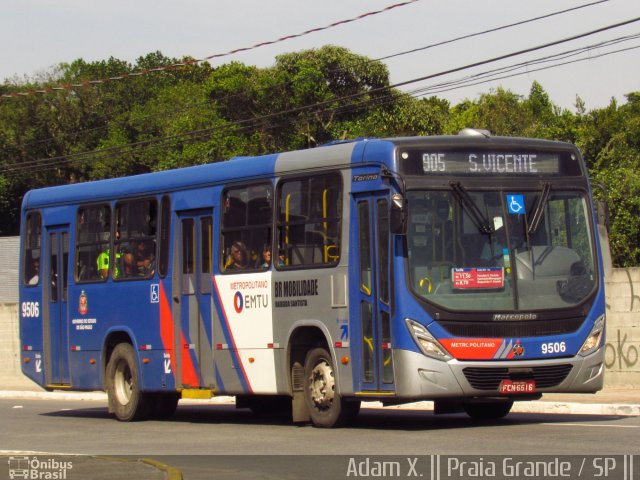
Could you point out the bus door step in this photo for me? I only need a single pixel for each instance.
(372, 393)
(58, 386)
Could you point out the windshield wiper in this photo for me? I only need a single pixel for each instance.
(538, 211)
(479, 220)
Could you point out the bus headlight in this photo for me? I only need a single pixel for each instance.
(594, 340)
(427, 342)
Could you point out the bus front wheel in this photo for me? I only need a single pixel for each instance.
(126, 400)
(326, 407)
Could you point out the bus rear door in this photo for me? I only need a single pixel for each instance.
(195, 285)
(371, 316)
(56, 324)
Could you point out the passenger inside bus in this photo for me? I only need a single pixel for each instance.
(239, 257)
(35, 278)
(265, 262)
(144, 258)
(128, 265)
(103, 264)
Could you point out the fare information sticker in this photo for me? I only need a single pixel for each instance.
(477, 278)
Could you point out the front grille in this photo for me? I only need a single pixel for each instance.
(547, 376)
(530, 328)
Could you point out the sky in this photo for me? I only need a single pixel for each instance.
(37, 35)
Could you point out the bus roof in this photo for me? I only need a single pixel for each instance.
(341, 153)
(149, 183)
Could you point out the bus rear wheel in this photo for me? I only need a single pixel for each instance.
(489, 410)
(326, 407)
(126, 400)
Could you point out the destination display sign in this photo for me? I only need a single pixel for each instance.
(488, 163)
(477, 278)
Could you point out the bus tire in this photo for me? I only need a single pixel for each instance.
(489, 410)
(326, 407)
(126, 400)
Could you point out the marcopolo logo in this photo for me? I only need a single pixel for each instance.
(35, 468)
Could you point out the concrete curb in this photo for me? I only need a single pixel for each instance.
(29, 395)
(171, 473)
(539, 406)
(614, 409)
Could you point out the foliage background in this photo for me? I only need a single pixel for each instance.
(198, 114)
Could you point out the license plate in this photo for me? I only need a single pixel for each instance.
(517, 386)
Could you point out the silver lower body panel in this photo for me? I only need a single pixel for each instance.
(419, 377)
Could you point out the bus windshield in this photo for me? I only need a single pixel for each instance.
(500, 250)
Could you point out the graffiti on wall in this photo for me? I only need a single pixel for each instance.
(634, 298)
(619, 353)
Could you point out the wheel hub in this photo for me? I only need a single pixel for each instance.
(322, 385)
(123, 383)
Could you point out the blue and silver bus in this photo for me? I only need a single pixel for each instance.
(462, 269)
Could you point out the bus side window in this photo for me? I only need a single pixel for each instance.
(246, 228)
(32, 243)
(135, 242)
(309, 219)
(93, 235)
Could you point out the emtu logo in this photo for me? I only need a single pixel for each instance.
(238, 302)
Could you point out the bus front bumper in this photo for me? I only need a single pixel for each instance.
(419, 377)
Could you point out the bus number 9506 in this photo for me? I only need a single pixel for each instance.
(554, 347)
(30, 309)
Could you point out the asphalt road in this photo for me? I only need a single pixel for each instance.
(85, 427)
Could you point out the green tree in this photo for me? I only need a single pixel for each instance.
(298, 102)
(501, 112)
(616, 167)
(401, 116)
(122, 122)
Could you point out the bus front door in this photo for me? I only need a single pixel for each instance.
(372, 314)
(195, 286)
(56, 325)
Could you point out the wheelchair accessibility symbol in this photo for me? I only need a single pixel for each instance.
(155, 293)
(515, 204)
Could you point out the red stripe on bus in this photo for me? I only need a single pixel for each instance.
(189, 376)
(233, 347)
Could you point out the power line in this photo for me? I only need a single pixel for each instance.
(492, 75)
(495, 29)
(518, 53)
(502, 77)
(187, 136)
(126, 75)
(492, 30)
